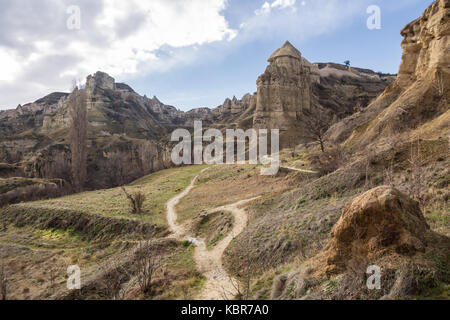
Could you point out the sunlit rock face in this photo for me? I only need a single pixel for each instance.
(426, 44)
(284, 90)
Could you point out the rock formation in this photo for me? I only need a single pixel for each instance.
(291, 86)
(380, 222)
(426, 45)
(418, 101)
(382, 228)
(284, 90)
(122, 123)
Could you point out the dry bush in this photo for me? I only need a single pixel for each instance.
(148, 262)
(416, 186)
(370, 157)
(246, 269)
(3, 282)
(329, 161)
(114, 276)
(136, 201)
(54, 273)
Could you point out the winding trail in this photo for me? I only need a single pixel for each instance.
(219, 285)
(179, 232)
(297, 169)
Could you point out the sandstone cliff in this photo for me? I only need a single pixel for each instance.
(292, 88)
(127, 128)
(284, 90)
(417, 103)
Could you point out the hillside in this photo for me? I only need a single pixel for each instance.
(125, 128)
(371, 194)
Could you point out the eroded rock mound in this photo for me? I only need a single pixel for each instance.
(382, 228)
(381, 221)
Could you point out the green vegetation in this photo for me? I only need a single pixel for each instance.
(214, 227)
(158, 189)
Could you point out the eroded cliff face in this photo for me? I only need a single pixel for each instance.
(122, 123)
(292, 88)
(417, 103)
(426, 45)
(284, 90)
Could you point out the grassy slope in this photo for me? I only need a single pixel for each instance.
(227, 184)
(33, 254)
(158, 188)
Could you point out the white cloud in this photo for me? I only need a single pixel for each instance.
(267, 7)
(116, 36)
(289, 20)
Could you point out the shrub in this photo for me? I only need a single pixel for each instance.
(329, 161)
(136, 201)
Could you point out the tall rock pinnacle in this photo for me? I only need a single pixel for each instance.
(284, 90)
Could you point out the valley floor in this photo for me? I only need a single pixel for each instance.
(219, 232)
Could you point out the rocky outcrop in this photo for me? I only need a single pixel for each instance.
(382, 229)
(292, 88)
(284, 90)
(426, 44)
(417, 102)
(100, 81)
(235, 106)
(345, 90)
(380, 222)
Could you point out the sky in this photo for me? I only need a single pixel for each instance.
(188, 53)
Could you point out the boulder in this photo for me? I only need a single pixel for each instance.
(382, 221)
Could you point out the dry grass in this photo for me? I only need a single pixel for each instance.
(223, 185)
(158, 188)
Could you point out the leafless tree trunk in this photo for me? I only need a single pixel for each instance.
(315, 126)
(136, 201)
(246, 271)
(148, 262)
(416, 185)
(78, 138)
(114, 274)
(369, 159)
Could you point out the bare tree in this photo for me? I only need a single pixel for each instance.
(78, 137)
(246, 270)
(315, 126)
(368, 163)
(136, 201)
(114, 274)
(393, 142)
(148, 262)
(3, 282)
(416, 185)
(147, 152)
